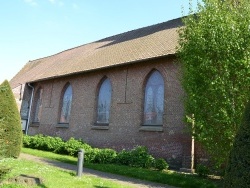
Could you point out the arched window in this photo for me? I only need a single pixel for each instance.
(37, 106)
(66, 101)
(154, 100)
(104, 101)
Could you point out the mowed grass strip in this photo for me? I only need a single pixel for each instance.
(165, 177)
(52, 176)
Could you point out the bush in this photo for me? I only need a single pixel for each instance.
(141, 158)
(123, 158)
(3, 171)
(161, 164)
(105, 156)
(55, 144)
(238, 167)
(90, 155)
(202, 170)
(137, 157)
(10, 123)
(72, 146)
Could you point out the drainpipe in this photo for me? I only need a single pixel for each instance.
(31, 100)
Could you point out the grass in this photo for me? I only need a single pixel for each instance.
(52, 177)
(165, 177)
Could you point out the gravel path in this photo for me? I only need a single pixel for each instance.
(113, 177)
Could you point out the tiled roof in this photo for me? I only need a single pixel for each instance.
(132, 46)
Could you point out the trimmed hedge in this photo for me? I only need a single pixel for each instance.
(3, 171)
(10, 123)
(238, 167)
(137, 157)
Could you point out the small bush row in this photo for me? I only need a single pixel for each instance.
(137, 157)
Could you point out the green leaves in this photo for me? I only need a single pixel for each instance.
(238, 168)
(10, 123)
(214, 51)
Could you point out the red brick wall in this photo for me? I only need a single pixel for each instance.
(128, 83)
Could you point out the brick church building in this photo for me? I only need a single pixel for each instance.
(118, 92)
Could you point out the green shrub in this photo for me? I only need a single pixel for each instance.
(3, 171)
(27, 141)
(123, 158)
(202, 170)
(161, 164)
(105, 156)
(55, 144)
(137, 157)
(72, 146)
(238, 167)
(38, 142)
(141, 158)
(3, 145)
(90, 155)
(10, 123)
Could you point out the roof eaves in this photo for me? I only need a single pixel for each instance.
(104, 67)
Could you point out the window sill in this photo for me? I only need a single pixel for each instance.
(151, 128)
(62, 125)
(35, 124)
(100, 126)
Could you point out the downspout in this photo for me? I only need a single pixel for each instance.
(31, 100)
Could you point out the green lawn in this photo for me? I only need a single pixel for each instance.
(165, 177)
(53, 177)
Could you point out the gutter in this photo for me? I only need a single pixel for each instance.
(31, 100)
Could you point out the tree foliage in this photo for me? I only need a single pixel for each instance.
(10, 123)
(214, 50)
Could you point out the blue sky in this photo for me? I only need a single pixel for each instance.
(32, 29)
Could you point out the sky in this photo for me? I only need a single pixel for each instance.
(32, 29)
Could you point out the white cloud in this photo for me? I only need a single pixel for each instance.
(31, 2)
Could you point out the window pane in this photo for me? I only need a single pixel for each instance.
(38, 106)
(154, 100)
(66, 105)
(104, 100)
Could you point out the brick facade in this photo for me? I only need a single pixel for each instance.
(125, 129)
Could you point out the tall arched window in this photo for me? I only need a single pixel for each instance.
(66, 101)
(37, 106)
(154, 100)
(104, 101)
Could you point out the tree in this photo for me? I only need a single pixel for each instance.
(214, 51)
(10, 123)
(238, 168)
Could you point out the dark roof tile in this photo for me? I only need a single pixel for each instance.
(144, 43)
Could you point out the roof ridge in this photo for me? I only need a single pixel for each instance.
(112, 36)
(139, 44)
(144, 27)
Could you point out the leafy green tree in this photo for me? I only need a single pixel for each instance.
(238, 168)
(214, 51)
(10, 123)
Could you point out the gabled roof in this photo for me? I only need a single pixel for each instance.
(129, 47)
